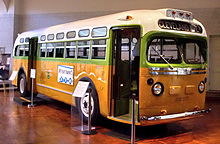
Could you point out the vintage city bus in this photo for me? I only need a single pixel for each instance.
(159, 55)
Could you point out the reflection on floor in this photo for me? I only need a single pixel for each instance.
(50, 123)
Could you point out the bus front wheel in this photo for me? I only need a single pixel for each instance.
(22, 85)
(83, 106)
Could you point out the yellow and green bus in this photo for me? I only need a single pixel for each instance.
(160, 55)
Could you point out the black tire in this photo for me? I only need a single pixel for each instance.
(22, 85)
(82, 106)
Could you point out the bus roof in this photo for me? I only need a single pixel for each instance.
(148, 19)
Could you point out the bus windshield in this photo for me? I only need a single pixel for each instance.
(174, 51)
(194, 52)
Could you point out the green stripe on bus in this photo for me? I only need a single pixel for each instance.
(20, 57)
(69, 60)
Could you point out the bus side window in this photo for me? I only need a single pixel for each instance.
(70, 49)
(42, 50)
(26, 50)
(16, 52)
(84, 33)
(71, 34)
(83, 49)
(50, 49)
(21, 50)
(99, 32)
(59, 49)
(99, 49)
(125, 46)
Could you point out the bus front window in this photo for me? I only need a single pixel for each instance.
(176, 50)
(163, 50)
(193, 53)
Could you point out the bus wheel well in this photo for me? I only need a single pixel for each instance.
(91, 84)
(22, 82)
(82, 103)
(21, 70)
(86, 79)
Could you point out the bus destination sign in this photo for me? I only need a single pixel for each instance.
(179, 26)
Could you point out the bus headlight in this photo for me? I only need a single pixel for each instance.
(157, 89)
(201, 87)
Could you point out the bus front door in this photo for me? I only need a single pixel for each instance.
(126, 59)
(33, 44)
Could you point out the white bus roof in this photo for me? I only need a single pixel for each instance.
(148, 19)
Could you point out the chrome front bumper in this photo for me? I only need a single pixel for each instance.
(173, 117)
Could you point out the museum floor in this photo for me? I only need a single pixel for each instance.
(50, 123)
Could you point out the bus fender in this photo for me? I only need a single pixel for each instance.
(20, 71)
(22, 74)
(94, 95)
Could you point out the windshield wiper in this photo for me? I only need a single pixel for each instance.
(161, 56)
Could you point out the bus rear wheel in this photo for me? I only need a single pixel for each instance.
(83, 106)
(22, 85)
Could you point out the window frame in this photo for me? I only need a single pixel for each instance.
(75, 52)
(52, 43)
(99, 28)
(57, 47)
(60, 38)
(26, 40)
(198, 43)
(89, 48)
(82, 31)
(105, 45)
(21, 40)
(52, 37)
(45, 53)
(24, 46)
(87, 44)
(177, 61)
(16, 50)
(43, 37)
(70, 32)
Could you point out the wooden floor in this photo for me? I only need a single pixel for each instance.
(51, 122)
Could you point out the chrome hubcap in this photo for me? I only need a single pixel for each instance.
(22, 85)
(84, 104)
